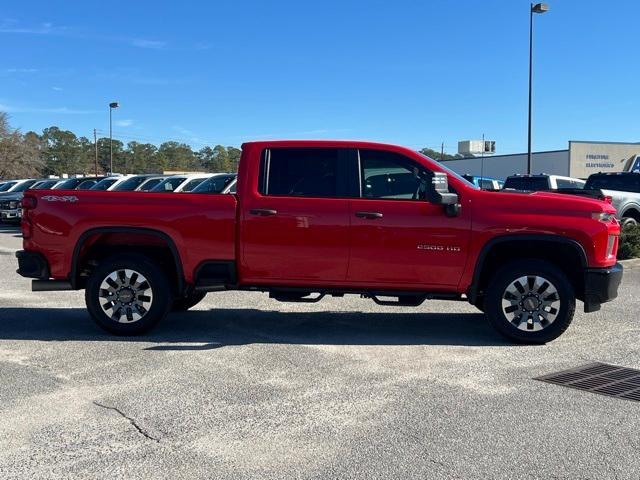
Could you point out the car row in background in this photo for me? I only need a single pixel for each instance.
(12, 191)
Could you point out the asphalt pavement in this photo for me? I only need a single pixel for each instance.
(246, 387)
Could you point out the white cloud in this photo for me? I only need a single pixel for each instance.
(144, 43)
(57, 89)
(123, 123)
(54, 110)
(21, 70)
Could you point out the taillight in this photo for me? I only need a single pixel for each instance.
(612, 244)
(28, 203)
(25, 226)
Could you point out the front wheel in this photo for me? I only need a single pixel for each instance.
(629, 222)
(127, 294)
(530, 301)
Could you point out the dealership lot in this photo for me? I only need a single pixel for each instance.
(244, 386)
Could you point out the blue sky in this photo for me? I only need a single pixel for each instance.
(413, 73)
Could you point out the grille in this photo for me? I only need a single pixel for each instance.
(610, 380)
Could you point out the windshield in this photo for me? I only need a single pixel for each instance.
(193, 184)
(5, 187)
(104, 184)
(23, 186)
(45, 185)
(532, 184)
(621, 183)
(214, 184)
(68, 184)
(169, 185)
(130, 184)
(149, 184)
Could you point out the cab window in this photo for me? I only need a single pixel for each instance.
(388, 175)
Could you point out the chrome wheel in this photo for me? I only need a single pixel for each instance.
(531, 303)
(125, 296)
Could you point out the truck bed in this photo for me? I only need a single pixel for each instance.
(197, 224)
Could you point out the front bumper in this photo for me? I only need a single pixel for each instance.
(601, 286)
(32, 265)
(10, 215)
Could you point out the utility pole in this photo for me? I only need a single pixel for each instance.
(442, 152)
(112, 105)
(537, 8)
(482, 163)
(95, 142)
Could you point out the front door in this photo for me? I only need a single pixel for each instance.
(295, 229)
(398, 238)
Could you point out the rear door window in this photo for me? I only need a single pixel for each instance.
(300, 172)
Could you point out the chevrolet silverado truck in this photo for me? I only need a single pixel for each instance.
(316, 218)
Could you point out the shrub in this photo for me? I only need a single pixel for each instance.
(629, 243)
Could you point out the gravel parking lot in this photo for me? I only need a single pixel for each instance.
(244, 386)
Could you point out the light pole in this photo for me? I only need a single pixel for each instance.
(537, 8)
(112, 105)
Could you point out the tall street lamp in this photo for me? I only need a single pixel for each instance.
(537, 8)
(112, 105)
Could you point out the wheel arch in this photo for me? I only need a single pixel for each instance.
(132, 233)
(632, 211)
(503, 246)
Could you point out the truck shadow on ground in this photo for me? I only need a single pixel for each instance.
(216, 328)
(11, 228)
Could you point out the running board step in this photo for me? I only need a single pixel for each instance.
(402, 300)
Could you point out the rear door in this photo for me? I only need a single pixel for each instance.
(295, 228)
(398, 238)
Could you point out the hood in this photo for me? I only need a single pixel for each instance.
(555, 203)
(11, 195)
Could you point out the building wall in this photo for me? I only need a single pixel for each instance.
(501, 166)
(592, 157)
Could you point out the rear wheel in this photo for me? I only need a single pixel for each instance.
(530, 301)
(629, 222)
(185, 303)
(127, 294)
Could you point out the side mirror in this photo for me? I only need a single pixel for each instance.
(437, 185)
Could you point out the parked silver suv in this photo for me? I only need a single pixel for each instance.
(624, 190)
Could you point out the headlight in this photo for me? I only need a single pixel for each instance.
(13, 204)
(603, 217)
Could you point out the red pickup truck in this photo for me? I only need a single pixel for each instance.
(315, 218)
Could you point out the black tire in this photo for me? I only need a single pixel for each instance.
(519, 327)
(629, 222)
(185, 303)
(152, 312)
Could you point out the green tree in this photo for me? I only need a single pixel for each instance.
(119, 163)
(435, 155)
(20, 155)
(177, 157)
(142, 158)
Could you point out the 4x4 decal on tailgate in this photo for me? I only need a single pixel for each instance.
(56, 198)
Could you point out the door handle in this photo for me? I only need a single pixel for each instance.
(370, 215)
(263, 212)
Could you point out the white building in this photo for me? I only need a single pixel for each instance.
(580, 160)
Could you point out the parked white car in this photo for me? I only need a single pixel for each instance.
(542, 182)
(181, 183)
